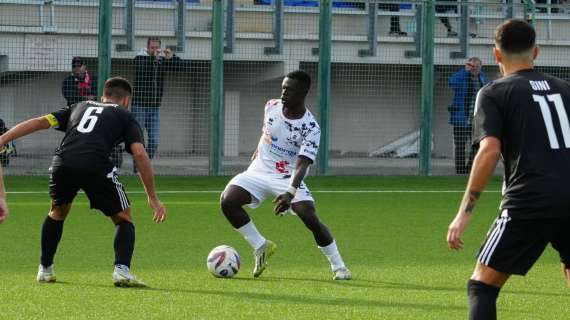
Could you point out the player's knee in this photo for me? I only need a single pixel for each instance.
(123, 216)
(489, 276)
(228, 203)
(59, 212)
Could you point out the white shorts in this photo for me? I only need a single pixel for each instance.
(261, 185)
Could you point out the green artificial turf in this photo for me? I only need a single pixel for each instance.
(392, 241)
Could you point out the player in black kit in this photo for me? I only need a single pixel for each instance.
(92, 130)
(522, 117)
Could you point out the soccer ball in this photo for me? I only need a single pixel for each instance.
(223, 261)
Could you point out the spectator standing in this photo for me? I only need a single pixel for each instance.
(465, 84)
(151, 65)
(444, 8)
(395, 27)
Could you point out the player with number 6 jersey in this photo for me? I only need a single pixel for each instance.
(288, 146)
(92, 129)
(82, 161)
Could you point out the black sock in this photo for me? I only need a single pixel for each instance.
(124, 243)
(482, 300)
(51, 234)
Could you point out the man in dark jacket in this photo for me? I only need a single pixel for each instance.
(151, 65)
(80, 85)
(465, 84)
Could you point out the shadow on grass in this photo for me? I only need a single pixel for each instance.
(281, 297)
(308, 300)
(420, 287)
(357, 283)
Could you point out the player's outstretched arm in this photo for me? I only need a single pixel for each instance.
(483, 166)
(147, 177)
(3, 206)
(24, 128)
(283, 201)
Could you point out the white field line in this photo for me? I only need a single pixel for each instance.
(313, 191)
(46, 203)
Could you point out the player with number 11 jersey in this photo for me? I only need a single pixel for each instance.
(527, 112)
(523, 118)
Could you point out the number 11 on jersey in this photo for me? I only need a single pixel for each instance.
(547, 116)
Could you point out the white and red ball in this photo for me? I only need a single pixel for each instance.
(223, 261)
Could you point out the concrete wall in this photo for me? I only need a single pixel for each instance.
(374, 100)
(372, 105)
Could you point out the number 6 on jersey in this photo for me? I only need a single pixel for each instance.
(88, 120)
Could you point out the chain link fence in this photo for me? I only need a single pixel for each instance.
(50, 58)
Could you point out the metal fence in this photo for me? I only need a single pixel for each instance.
(380, 69)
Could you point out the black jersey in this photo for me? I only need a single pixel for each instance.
(528, 112)
(92, 130)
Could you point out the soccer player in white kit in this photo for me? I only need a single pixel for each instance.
(288, 146)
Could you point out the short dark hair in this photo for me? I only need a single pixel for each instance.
(117, 88)
(150, 39)
(515, 36)
(302, 77)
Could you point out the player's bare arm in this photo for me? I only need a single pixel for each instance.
(3, 206)
(483, 166)
(20, 130)
(283, 201)
(144, 166)
(25, 128)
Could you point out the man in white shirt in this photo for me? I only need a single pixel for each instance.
(288, 146)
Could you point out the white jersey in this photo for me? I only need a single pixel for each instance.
(283, 140)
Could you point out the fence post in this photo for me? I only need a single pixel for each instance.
(217, 89)
(277, 30)
(230, 26)
(325, 43)
(463, 32)
(104, 49)
(180, 26)
(129, 27)
(372, 32)
(427, 89)
(529, 8)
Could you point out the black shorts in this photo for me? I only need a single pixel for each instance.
(513, 245)
(103, 189)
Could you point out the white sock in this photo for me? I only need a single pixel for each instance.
(250, 233)
(332, 254)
